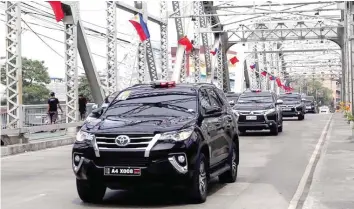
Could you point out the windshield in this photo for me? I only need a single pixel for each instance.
(290, 97)
(255, 98)
(153, 104)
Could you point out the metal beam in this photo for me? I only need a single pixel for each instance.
(291, 51)
(13, 65)
(133, 10)
(111, 47)
(89, 65)
(255, 13)
(272, 5)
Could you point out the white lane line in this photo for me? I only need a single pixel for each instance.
(300, 189)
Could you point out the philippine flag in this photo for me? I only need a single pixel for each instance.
(141, 27)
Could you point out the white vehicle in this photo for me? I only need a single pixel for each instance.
(324, 110)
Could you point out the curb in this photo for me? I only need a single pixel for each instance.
(36, 145)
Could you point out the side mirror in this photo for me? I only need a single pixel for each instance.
(279, 102)
(213, 110)
(232, 102)
(95, 106)
(303, 100)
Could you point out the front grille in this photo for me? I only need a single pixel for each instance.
(137, 142)
(242, 119)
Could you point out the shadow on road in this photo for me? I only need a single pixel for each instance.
(148, 197)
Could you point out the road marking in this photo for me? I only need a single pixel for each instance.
(310, 167)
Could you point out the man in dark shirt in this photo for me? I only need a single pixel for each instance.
(82, 106)
(53, 105)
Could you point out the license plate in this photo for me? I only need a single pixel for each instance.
(287, 109)
(251, 117)
(122, 171)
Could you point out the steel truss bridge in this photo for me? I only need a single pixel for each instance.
(291, 41)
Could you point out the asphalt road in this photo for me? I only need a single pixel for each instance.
(271, 168)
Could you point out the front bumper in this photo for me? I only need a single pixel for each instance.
(292, 112)
(262, 122)
(310, 109)
(162, 166)
(157, 172)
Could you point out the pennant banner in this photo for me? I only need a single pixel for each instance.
(140, 27)
(234, 60)
(187, 43)
(57, 9)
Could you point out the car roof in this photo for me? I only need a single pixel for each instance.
(183, 87)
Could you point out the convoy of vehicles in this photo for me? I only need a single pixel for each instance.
(159, 133)
(173, 135)
(258, 111)
(293, 105)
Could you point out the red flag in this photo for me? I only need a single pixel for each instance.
(186, 42)
(233, 60)
(264, 73)
(57, 9)
(278, 82)
(272, 78)
(253, 66)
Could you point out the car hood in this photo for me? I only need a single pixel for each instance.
(143, 125)
(253, 106)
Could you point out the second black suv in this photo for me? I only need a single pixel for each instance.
(293, 105)
(163, 133)
(259, 110)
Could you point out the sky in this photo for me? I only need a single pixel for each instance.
(93, 12)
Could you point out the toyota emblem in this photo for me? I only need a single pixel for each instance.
(122, 140)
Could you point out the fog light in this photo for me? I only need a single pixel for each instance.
(77, 158)
(181, 159)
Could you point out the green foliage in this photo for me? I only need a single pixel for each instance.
(34, 77)
(314, 87)
(84, 88)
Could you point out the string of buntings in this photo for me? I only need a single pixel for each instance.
(272, 78)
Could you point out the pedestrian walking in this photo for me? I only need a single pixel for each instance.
(53, 105)
(82, 106)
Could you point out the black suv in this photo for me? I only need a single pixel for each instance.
(293, 105)
(162, 133)
(259, 110)
(310, 103)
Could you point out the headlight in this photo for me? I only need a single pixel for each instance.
(81, 136)
(269, 111)
(177, 135)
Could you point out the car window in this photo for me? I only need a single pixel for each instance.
(204, 99)
(214, 99)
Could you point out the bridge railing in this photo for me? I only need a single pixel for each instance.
(35, 119)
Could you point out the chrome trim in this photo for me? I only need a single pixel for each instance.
(132, 138)
(180, 169)
(111, 143)
(77, 168)
(95, 146)
(121, 149)
(151, 145)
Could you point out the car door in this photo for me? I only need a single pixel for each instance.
(208, 123)
(220, 144)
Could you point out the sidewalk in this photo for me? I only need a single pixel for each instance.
(333, 182)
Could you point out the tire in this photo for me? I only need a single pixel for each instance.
(301, 117)
(198, 192)
(230, 176)
(274, 131)
(89, 191)
(280, 129)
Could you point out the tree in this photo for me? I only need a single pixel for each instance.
(84, 88)
(34, 78)
(314, 87)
